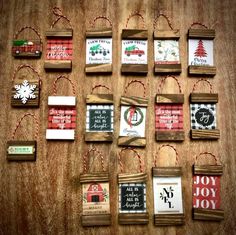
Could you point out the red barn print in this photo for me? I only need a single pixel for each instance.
(95, 193)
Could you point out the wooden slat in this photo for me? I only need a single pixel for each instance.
(96, 220)
(166, 34)
(133, 218)
(100, 99)
(58, 64)
(201, 33)
(167, 68)
(62, 33)
(166, 171)
(27, 54)
(205, 134)
(208, 170)
(132, 178)
(170, 98)
(202, 70)
(208, 214)
(133, 100)
(99, 33)
(131, 141)
(99, 136)
(134, 34)
(21, 157)
(134, 68)
(170, 136)
(204, 98)
(168, 219)
(98, 68)
(94, 177)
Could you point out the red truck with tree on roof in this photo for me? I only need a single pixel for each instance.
(133, 50)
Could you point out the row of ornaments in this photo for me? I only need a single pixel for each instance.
(134, 54)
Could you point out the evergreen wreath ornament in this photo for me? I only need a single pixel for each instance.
(130, 112)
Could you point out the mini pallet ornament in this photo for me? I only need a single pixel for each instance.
(99, 116)
(203, 114)
(27, 48)
(134, 49)
(200, 51)
(167, 186)
(133, 119)
(132, 195)
(62, 114)
(59, 45)
(166, 49)
(169, 114)
(23, 150)
(206, 191)
(25, 92)
(99, 48)
(96, 194)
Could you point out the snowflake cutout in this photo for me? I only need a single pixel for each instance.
(25, 91)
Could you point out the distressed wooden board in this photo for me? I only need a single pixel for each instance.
(170, 98)
(166, 34)
(201, 33)
(133, 218)
(62, 33)
(208, 214)
(133, 100)
(202, 70)
(96, 220)
(58, 65)
(99, 33)
(131, 141)
(132, 178)
(166, 171)
(169, 219)
(100, 99)
(208, 170)
(134, 34)
(99, 136)
(204, 97)
(167, 68)
(134, 68)
(205, 134)
(94, 177)
(169, 136)
(98, 68)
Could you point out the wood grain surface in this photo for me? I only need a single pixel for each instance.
(45, 197)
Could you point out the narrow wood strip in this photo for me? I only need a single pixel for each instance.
(27, 54)
(99, 33)
(133, 100)
(205, 134)
(167, 68)
(96, 220)
(170, 98)
(166, 171)
(168, 219)
(204, 98)
(98, 68)
(166, 34)
(99, 136)
(134, 68)
(58, 64)
(94, 177)
(202, 70)
(132, 178)
(100, 99)
(201, 33)
(208, 214)
(133, 218)
(208, 170)
(131, 141)
(63, 33)
(134, 34)
(170, 136)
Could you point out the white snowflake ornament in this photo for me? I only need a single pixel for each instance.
(25, 91)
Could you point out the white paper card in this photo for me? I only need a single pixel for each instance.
(54, 134)
(62, 100)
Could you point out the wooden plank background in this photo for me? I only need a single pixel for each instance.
(44, 197)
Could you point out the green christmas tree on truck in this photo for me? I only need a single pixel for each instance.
(200, 51)
(98, 49)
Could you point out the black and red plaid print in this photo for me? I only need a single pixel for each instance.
(59, 49)
(169, 117)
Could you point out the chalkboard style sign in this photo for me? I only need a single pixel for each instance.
(27, 48)
(166, 49)
(206, 191)
(167, 187)
(99, 48)
(95, 194)
(25, 93)
(200, 51)
(23, 150)
(61, 115)
(169, 114)
(132, 195)
(203, 114)
(59, 45)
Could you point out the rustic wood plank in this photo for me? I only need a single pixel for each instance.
(205, 134)
(94, 177)
(99, 136)
(166, 171)
(133, 100)
(98, 68)
(169, 136)
(169, 219)
(208, 214)
(202, 70)
(166, 34)
(170, 98)
(133, 218)
(132, 178)
(134, 34)
(99, 33)
(96, 220)
(204, 98)
(131, 141)
(62, 33)
(208, 170)
(201, 33)
(134, 68)
(100, 99)
(57, 64)
(167, 68)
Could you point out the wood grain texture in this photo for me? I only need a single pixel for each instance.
(166, 171)
(167, 68)
(208, 214)
(134, 34)
(208, 170)
(132, 141)
(100, 99)
(202, 33)
(205, 134)
(203, 98)
(132, 178)
(62, 33)
(99, 33)
(133, 100)
(169, 136)
(133, 218)
(170, 98)
(202, 70)
(58, 65)
(98, 68)
(45, 197)
(98, 136)
(96, 220)
(134, 69)
(94, 177)
(166, 34)
(169, 219)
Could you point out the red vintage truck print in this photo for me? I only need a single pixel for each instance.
(133, 50)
